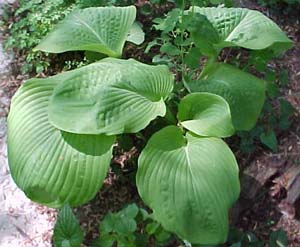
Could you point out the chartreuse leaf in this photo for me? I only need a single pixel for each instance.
(189, 182)
(99, 29)
(245, 28)
(205, 114)
(244, 93)
(112, 96)
(51, 166)
(67, 231)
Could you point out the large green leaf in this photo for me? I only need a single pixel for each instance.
(112, 96)
(206, 114)
(52, 167)
(244, 93)
(245, 28)
(67, 231)
(100, 29)
(189, 182)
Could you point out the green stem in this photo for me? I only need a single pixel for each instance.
(183, 6)
(193, 7)
(209, 65)
(183, 66)
(141, 136)
(169, 117)
(182, 35)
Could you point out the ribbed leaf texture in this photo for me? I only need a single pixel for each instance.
(99, 29)
(112, 96)
(189, 182)
(51, 166)
(245, 28)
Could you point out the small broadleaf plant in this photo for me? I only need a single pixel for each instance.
(61, 129)
(67, 231)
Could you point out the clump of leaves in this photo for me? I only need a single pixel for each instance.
(61, 129)
(134, 227)
(186, 38)
(130, 227)
(34, 19)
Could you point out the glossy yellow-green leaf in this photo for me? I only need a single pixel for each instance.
(110, 97)
(99, 29)
(51, 166)
(189, 182)
(205, 114)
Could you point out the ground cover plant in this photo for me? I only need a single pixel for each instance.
(186, 173)
(133, 226)
(33, 20)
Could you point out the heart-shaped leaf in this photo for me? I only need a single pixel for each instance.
(245, 28)
(99, 29)
(111, 97)
(244, 93)
(189, 182)
(51, 166)
(206, 114)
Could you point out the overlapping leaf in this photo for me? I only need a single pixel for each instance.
(245, 28)
(189, 182)
(244, 93)
(206, 114)
(99, 29)
(112, 96)
(136, 34)
(51, 166)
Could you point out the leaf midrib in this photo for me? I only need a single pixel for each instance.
(233, 30)
(92, 30)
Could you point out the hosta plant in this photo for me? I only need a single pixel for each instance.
(61, 129)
